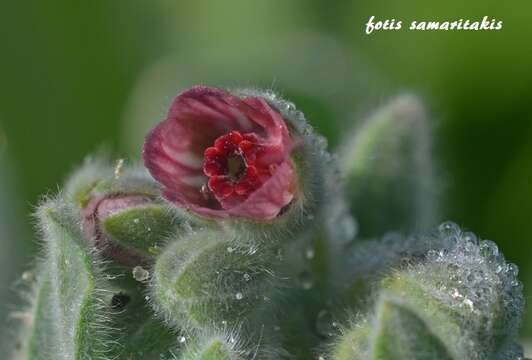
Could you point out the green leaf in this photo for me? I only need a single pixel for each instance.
(69, 320)
(389, 171)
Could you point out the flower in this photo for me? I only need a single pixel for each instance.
(221, 156)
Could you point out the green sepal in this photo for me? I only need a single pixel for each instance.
(388, 170)
(68, 318)
(142, 228)
(401, 334)
(211, 278)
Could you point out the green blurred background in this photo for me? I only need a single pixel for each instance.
(74, 75)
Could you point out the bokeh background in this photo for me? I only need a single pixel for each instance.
(78, 74)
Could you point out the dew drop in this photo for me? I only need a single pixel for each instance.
(27, 275)
(140, 274)
(470, 237)
(489, 250)
(448, 228)
(512, 269)
(136, 220)
(182, 339)
(290, 106)
(324, 324)
(306, 281)
(239, 296)
(230, 249)
(310, 253)
(247, 277)
(468, 303)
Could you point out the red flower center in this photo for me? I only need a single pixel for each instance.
(232, 168)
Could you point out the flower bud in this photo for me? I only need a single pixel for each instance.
(461, 301)
(122, 214)
(126, 228)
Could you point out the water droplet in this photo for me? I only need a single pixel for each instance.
(448, 228)
(456, 294)
(489, 250)
(432, 255)
(182, 339)
(310, 253)
(230, 249)
(205, 192)
(512, 269)
(239, 296)
(324, 324)
(27, 276)
(306, 280)
(140, 274)
(468, 303)
(290, 106)
(224, 322)
(136, 220)
(247, 277)
(147, 298)
(470, 237)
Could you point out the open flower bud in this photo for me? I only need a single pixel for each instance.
(219, 155)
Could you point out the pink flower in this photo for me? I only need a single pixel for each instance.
(220, 156)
